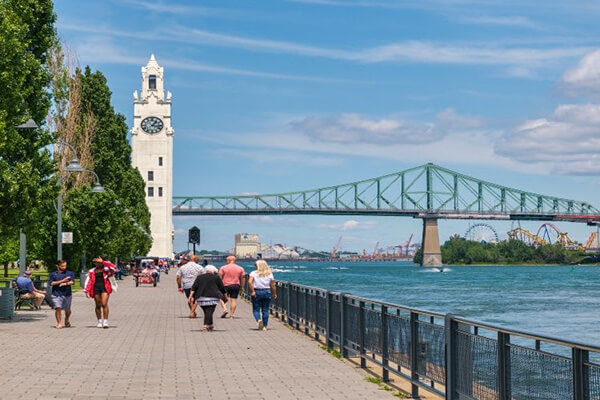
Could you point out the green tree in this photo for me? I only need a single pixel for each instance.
(102, 222)
(26, 33)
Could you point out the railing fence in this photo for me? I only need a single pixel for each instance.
(446, 355)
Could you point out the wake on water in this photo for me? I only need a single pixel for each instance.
(436, 270)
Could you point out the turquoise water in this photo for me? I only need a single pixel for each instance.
(561, 301)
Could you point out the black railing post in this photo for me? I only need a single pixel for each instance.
(581, 384)
(328, 327)
(414, 351)
(451, 356)
(277, 302)
(297, 311)
(384, 344)
(504, 366)
(306, 292)
(316, 321)
(361, 334)
(288, 293)
(342, 325)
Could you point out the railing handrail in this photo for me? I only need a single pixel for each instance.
(529, 335)
(480, 324)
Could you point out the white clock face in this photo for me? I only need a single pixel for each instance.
(152, 125)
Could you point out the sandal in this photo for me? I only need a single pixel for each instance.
(67, 324)
(224, 315)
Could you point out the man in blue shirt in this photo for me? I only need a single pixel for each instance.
(61, 281)
(28, 291)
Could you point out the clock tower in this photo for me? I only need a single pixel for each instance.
(152, 154)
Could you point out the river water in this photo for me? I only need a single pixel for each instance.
(561, 301)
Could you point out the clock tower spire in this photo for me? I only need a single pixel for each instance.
(152, 154)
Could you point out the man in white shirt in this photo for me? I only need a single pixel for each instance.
(186, 275)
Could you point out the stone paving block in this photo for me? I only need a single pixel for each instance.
(153, 351)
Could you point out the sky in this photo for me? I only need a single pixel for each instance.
(277, 96)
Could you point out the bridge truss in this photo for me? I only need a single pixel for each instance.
(427, 191)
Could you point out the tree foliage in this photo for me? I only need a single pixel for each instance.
(102, 223)
(26, 34)
(458, 250)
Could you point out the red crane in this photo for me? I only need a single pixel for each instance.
(404, 247)
(334, 253)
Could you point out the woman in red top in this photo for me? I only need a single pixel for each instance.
(97, 285)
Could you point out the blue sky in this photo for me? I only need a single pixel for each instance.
(276, 96)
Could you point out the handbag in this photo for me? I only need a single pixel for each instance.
(113, 283)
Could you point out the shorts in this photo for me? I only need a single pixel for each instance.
(187, 292)
(63, 302)
(233, 291)
(99, 290)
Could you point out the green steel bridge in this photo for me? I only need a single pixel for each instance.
(429, 192)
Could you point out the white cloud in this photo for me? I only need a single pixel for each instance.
(349, 225)
(354, 128)
(520, 58)
(99, 49)
(515, 20)
(585, 77)
(178, 9)
(567, 142)
(265, 156)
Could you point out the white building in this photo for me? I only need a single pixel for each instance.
(280, 252)
(247, 245)
(152, 145)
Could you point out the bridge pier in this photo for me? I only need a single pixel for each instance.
(430, 245)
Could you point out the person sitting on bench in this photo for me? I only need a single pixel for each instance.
(28, 291)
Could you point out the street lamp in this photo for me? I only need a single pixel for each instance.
(98, 188)
(74, 167)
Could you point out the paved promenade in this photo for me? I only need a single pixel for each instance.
(153, 351)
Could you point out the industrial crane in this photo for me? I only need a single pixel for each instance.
(334, 253)
(375, 250)
(405, 246)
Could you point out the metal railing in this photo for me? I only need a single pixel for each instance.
(443, 354)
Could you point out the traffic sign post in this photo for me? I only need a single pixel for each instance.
(194, 237)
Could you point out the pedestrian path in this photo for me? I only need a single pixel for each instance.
(153, 351)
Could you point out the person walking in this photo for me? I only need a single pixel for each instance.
(206, 291)
(61, 281)
(234, 278)
(98, 287)
(186, 275)
(262, 289)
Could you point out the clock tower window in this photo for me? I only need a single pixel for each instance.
(160, 161)
(150, 192)
(160, 192)
(152, 82)
(150, 175)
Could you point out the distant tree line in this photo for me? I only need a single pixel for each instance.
(458, 250)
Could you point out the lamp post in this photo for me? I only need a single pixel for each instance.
(74, 167)
(30, 124)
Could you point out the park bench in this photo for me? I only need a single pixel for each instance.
(19, 301)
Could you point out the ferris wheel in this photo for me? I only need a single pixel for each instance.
(482, 233)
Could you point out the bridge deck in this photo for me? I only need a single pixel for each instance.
(152, 350)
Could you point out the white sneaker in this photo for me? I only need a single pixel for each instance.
(264, 328)
(260, 325)
(99, 324)
(105, 324)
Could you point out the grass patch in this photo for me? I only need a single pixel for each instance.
(379, 382)
(337, 354)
